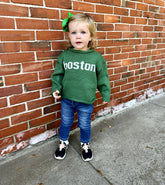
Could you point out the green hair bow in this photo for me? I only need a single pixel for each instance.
(66, 22)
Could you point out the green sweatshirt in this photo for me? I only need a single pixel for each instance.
(78, 74)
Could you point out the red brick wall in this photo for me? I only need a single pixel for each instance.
(131, 37)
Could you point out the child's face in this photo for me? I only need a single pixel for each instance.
(79, 35)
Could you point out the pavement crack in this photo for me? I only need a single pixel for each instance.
(101, 174)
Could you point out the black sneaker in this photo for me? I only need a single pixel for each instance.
(60, 153)
(86, 152)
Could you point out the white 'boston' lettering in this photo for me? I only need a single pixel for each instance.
(80, 65)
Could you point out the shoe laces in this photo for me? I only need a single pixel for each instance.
(62, 145)
(85, 147)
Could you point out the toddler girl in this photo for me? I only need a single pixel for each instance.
(79, 71)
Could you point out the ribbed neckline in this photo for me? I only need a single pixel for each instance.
(79, 51)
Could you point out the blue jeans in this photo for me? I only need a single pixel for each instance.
(84, 112)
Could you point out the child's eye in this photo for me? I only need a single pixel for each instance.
(83, 32)
(73, 32)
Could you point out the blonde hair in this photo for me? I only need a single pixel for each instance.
(91, 26)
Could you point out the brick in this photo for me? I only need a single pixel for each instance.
(105, 43)
(24, 97)
(146, 41)
(134, 67)
(120, 69)
(3, 102)
(114, 64)
(7, 91)
(81, 6)
(48, 55)
(31, 2)
(130, 4)
(129, 20)
(12, 10)
(141, 47)
(104, 9)
(158, 28)
(36, 66)
(6, 141)
(114, 35)
(160, 3)
(10, 69)
(144, 76)
(23, 136)
(145, 53)
(21, 79)
(13, 130)
(149, 1)
(120, 11)
(129, 34)
(119, 95)
(40, 103)
(113, 50)
(36, 46)
(12, 110)
(9, 47)
(112, 18)
(136, 28)
(139, 71)
(55, 25)
(4, 123)
(65, 4)
(59, 45)
(120, 56)
(43, 120)
(141, 6)
(134, 55)
(153, 8)
(121, 27)
(141, 21)
(127, 86)
(133, 79)
(120, 82)
(136, 13)
(148, 14)
(31, 24)
(17, 58)
(105, 27)
(134, 41)
(46, 92)
(162, 10)
(6, 1)
(127, 48)
(53, 125)
(44, 13)
(1, 82)
(45, 74)
(121, 42)
(37, 85)
(50, 35)
(52, 108)
(152, 22)
(6, 23)
(127, 62)
(26, 116)
(160, 16)
(16, 35)
(148, 28)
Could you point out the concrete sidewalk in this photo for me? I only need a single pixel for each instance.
(128, 148)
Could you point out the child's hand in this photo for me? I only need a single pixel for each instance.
(104, 102)
(55, 95)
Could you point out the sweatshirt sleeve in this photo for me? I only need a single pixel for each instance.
(58, 75)
(103, 83)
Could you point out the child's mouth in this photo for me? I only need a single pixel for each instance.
(78, 43)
